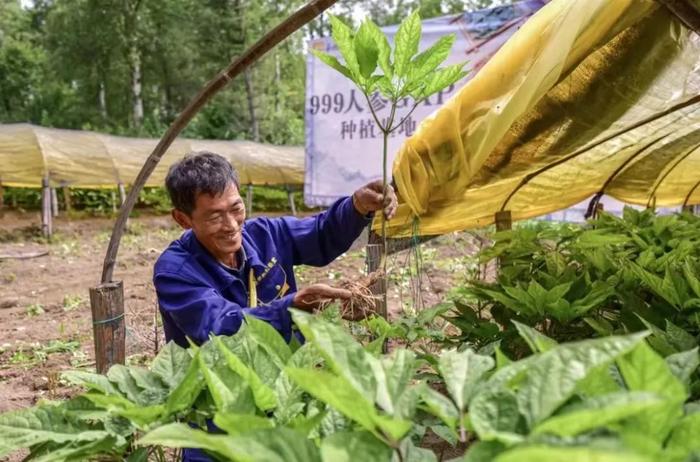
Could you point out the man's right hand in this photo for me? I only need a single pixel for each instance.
(314, 296)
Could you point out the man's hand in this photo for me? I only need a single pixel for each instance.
(371, 198)
(314, 296)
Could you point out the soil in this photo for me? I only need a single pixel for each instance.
(45, 320)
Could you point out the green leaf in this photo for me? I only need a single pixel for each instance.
(683, 364)
(171, 364)
(82, 450)
(268, 339)
(537, 341)
(345, 356)
(393, 375)
(644, 370)
(264, 396)
(337, 393)
(383, 48)
(91, 381)
(541, 453)
(494, 414)
(333, 62)
(441, 79)
(120, 376)
(273, 445)
(406, 43)
(484, 451)
(366, 49)
(354, 446)
(427, 61)
(228, 391)
(241, 423)
(684, 437)
(598, 412)
(463, 372)
(559, 370)
(440, 406)
(186, 392)
(37, 425)
(342, 36)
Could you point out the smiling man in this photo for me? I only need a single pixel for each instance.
(224, 267)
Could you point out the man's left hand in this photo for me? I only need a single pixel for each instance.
(371, 198)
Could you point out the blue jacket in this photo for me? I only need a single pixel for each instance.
(197, 295)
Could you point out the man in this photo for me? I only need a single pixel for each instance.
(224, 267)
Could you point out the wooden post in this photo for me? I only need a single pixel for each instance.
(107, 303)
(290, 196)
(249, 200)
(122, 193)
(504, 221)
(113, 197)
(46, 222)
(66, 199)
(374, 263)
(54, 202)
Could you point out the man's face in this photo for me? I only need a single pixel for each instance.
(217, 222)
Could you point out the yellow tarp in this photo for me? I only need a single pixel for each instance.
(589, 96)
(88, 159)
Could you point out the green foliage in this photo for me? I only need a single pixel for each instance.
(612, 276)
(331, 400)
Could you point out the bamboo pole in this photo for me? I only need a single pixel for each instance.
(46, 221)
(54, 202)
(293, 23)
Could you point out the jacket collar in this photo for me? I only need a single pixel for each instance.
(249, 252)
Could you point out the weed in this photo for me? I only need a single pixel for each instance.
(72, 302)
(35, 309)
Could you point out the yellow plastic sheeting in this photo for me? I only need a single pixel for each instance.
(87, 159)
(588, 96)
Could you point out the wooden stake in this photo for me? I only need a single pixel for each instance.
(107, 303)
(249, 200)
(122, 194)
(113, 197)
(66, 199)
(504, 221)
(2, 201)
(46, 222)
(290, 196)
(54, 202)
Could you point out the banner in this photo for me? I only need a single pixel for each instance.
(343, 143)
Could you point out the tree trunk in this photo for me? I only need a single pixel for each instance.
(103, 101)
(136, 98)
(254, 126)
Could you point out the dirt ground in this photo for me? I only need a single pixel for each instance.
(45, 320)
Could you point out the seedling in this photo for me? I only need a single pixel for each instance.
(404, 74)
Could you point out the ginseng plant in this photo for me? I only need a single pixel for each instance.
(403, 75)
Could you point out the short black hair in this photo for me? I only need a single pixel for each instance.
(198, 172)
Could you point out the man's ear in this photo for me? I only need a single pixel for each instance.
(181, 218)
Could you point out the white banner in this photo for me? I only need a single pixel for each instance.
(343, 143)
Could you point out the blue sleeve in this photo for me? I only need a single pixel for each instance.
(199, 310)
(320, 239)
